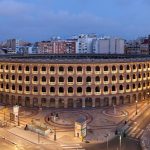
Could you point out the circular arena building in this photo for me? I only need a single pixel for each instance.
(73, 81)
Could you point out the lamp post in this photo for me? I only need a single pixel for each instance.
(120, 141)
(107, 146)
(148, 97)
(136, 107)
(53, 116)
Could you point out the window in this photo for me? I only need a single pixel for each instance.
(27, 88)
(19, 68)
(43, 68)
(27, 78)
(127, 87)
(2, 66)
(105, 78)
(13, 77)
(88, 89)
(139, 85)
(88, 79)
(121, 77)
(70, 69)
(79, 79)
(70, 79)
(61, 79)
(88, 68)
(61, 69)
(144, 84)
(35, 68)
(70, 90)
(35, 78)
(6, 67)
(79, 90)
(13, 87)
(7, 86)
(97, 79)
(139, 66)
(133, 86)
(134, 77)
(20, 88)
(20, 78)
(97, 68)
(113, 88)
(121, 87)
(105, 89)
(27, 68)
(52, 79)
(7, 76)
(52, 68)
(134, 67)
(113, 68)
(13, 67)
(128, 77)
(113, 78)
(35, 89)
(105, 68)
(43, 89)
(79, 69)
(121, 67)
(139, 75)
(61, 90)
(43, 79)
(52, 90)
(97, 89)
(1, 76)
(128, 67)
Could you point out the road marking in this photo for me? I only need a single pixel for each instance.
(72, 146)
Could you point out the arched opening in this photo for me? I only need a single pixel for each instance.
(43, 102)
(97, 102)
(121, 100)
(127, 100)
(79, 103)
(35, 102)
(106, 101)
(114, 100)
(61, 103)
(88, 102)
(19, 100)
(70, 103)
(27, 101)
(7, 99)
(52, 103)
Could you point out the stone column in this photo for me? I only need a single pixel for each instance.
(23, 101)
(31, 102)
(65, 103)
(39, 102)
(47, 102)
(93, 102)
(117, 101)
(83, 103)
(74, 104)
(56, 103)
(110, 101)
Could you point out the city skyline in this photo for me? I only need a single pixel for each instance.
(43, 19)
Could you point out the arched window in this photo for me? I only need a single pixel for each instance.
(27, 78)
(113, 68)
(13, 87)
(121, 67)
(20, 68)
(43, 79)
(61, 90)
(127, 87)
(113, 88)
(128, 67)
(35, 78)
(133, 86)
(79, 69)
(134, 67)
(35, 89)
(88, 68)
(105, 78)
(128, 77)
(105, 89)
(27, 88)
(1, 76)
(61, 69)
(88, 89)
(97, 79)
(70, 79)
(88, 79)
(27, 68)
(52, 68)
(113, 78)
(70, 90)
(6, 67)
(79, 90)
(70, 69)
(13, 67)
(52, 89)
(7, 86)
(139, 85)
(79, 79)
(121, 87)
(134, 77)
(97, 68)
(61, 79)
(20, 88)
(20, 78)
(43, 89)
(13, 77)
(105, 68)
(139, 66)
(52, 79)
(7, 76)
(43, 68)
(121, 77)
(97, 89)
(139, 75)
(35, 68)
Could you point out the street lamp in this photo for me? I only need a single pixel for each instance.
(120, 141)
(148, 97)
(136, 107)
(54, 116)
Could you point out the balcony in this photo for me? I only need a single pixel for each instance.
(144, 78)
(35, 93)
(79, 83)
(134, 80)
(52, 83)
(52, 72)
(98, 82)
(52, 93)
(13, 81)
(134, 90)
(114, 71)
(43, 93)
(128, 80)
(106, 93)
(27, 72)
(27, 82)
(79, 94)
(128, 71)
(134, 70)
(6, 90)
(19, 92)
(88, 83)
(97, 93)
(70, 72)
(113, 92)
(121, 81)
(13, 91)
(27, 92)
(70, 83)
(6, 80)
(1, 70)
(121, 71)
(61, 72)
(6, 71)
(97, 72)
(88, 72)
(34, 82)
(61, 94)
(1, 89)
(61, 83)
(43, 72)
(106, 72)
(43, 83)
(121, 91)
(114, 82)
(139, 79)
(1, 79)
(139, 89)
(128, 90)
(19, 71)
(79, 72)
(34, 72)
(12, 71)
(19, 81)
(70, 94)
(106, 82)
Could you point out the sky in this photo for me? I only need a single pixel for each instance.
(35, 20)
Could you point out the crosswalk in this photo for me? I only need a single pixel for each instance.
(72, 147)
(134, 132)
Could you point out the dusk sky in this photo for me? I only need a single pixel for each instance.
(41, 19)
